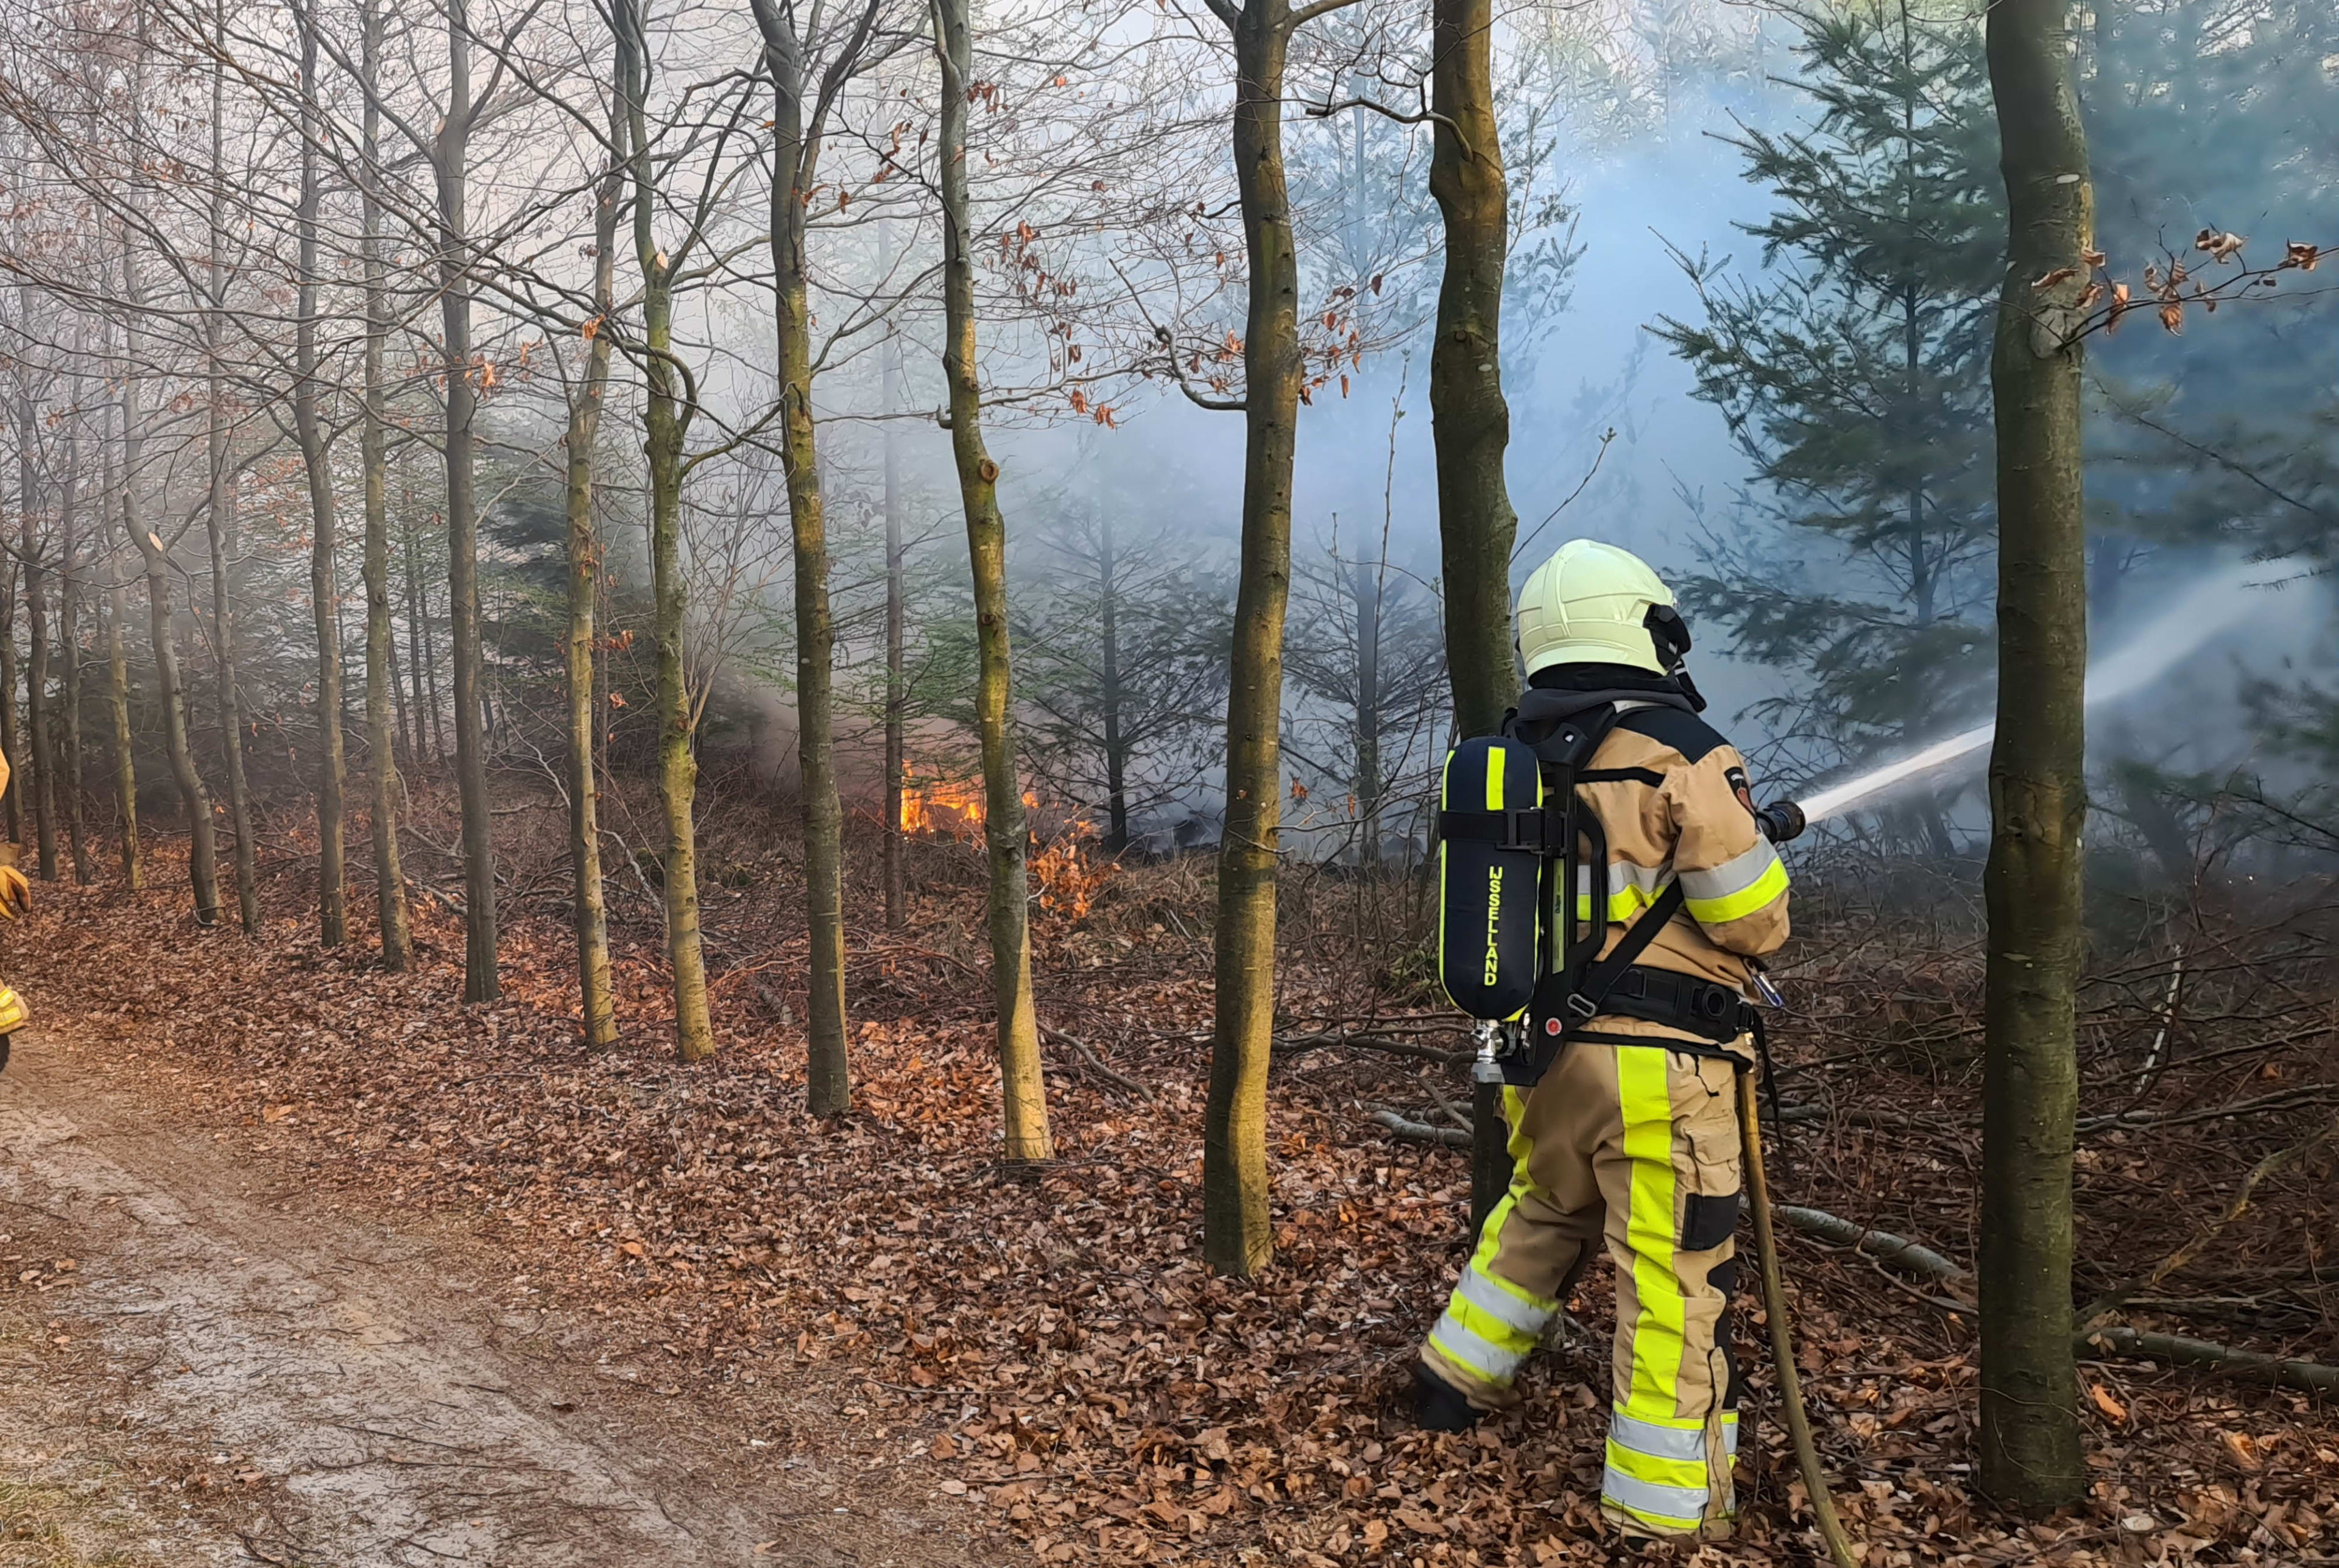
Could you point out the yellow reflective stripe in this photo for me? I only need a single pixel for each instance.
(1646, 1102)
(1507, 1337)
(1490, 1241)
(1689, 1475)
(1764, 891)
(1495, 769)
(1622, 907)
(1514, 1115)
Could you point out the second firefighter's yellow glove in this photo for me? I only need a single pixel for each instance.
(15, 893)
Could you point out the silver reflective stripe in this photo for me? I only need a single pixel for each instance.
(1687, 1503)
(1736, 875)
(1498, 1303)
(1623, 874)
(1686, 1442)
(1472, 1350)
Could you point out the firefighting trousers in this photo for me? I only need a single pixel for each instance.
(1637, 1144)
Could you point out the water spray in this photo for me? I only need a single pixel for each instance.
(2174, 635)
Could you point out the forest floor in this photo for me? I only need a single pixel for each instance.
(307, 1263)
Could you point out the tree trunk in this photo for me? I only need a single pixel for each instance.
(381, 646)
(2030, 1456)
(451, 160)
(202, 871)
(69, 643)
(1023, 1093)
(1236, 1238)
(1365, 584)
(324, 588)
(662, 420)
(36, 605)
(126, 756)
(1116, 748)
(896, 621)
(828, 1073)
(591, 911)
(12, 745)
(420, 655)
(219, 511)
(1468, 416)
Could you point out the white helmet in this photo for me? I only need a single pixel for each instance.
(1594, 604)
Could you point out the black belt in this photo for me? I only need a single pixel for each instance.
(1704, 1007)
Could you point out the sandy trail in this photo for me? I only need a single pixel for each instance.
(397, 1412)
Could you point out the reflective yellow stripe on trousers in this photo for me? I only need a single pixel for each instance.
(1490, 1325)
(1656, 1469)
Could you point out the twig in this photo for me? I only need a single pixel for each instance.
(1095, 1063)
(2167, 1022)
(1289, 1045)
(1453, 1114)
(2187, 1253)
(2281, 1100)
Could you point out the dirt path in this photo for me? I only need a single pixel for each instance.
(340, 1392)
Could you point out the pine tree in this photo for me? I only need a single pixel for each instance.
(1851, 371)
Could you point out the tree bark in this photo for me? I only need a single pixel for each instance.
(1236, 1237)
(828, 1073)
(451, 166)
(891, 846)
(664, 429)
(590, 912)
(1365, 584)
(1116, 748)
(11, 744)
(126, 756)
(420, 655)
(1468, 416)
(1023, 1091)
(391, 914)
(219, 508)
(324, 588)
(37, 605)
(202, 871)
(2030, 1451)
(69, 643)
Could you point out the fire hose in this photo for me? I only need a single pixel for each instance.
(1782, 821)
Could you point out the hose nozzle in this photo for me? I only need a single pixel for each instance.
(1781, 821)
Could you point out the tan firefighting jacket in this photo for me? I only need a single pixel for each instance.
(1678, 805)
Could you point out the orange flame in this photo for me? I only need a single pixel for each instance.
(945, 805)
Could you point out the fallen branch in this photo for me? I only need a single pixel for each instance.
(1451, 1111)
(1290, 1045)
(1421, 1132)
(1095, 1063)
(2247, 1364)
(2114, 1339)
(1881, 1245)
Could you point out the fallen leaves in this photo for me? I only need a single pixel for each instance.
(1045, 1346)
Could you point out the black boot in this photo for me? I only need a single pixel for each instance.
(1438, 1405)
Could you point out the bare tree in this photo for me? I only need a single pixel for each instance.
(1023, 1091)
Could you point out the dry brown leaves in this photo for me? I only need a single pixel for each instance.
(1049, 1342)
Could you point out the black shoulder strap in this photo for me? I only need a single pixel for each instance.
(1585, 1000)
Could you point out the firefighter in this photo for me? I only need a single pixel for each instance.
(16, 898)
(1629, 1131)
